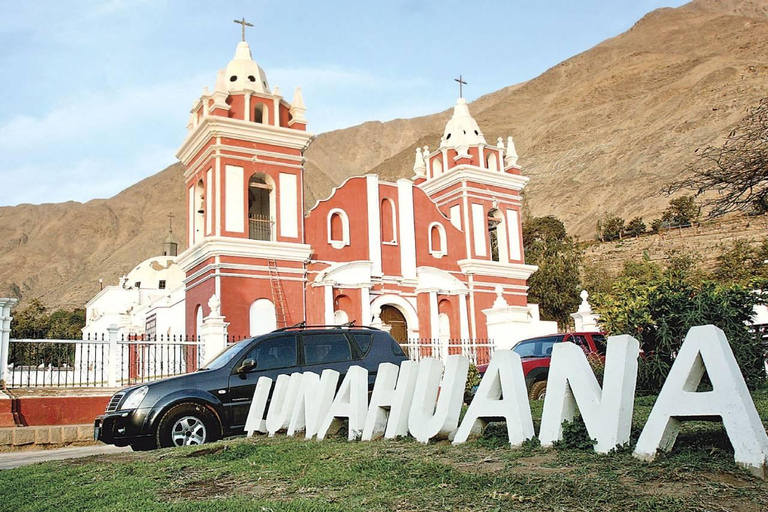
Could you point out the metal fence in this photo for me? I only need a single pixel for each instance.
(99, 361)
(479, 351)
(259, 227)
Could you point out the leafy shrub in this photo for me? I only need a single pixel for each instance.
(575, 436)
(473, 380)
(661, 311)
(636, 227)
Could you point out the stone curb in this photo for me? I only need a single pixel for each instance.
(44, 437)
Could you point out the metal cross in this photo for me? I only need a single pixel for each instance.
(462, 83)
(244, 24)
(170, 222)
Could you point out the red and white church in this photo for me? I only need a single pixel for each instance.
(438, 255)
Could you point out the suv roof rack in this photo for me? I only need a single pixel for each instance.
(303, 325)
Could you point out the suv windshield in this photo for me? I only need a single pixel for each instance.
(537, 347)
(224, 356)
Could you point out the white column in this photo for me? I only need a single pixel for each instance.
(374, 222)
(5, 335)
(365, 299)
(213, 331)
(463, 319)
(218, 198)
(112, 367)
(328, 295)
(247, 109)
(434, 319)
(407, 229)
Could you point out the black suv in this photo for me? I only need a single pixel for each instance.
(213, 402)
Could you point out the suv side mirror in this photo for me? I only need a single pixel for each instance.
(248, 364)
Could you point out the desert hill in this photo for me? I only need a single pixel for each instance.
(601, 132)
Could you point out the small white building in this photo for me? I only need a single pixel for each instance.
(148, 301)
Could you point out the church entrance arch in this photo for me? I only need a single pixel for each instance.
(392, 317)
(402, 315)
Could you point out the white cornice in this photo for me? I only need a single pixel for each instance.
(217, 126)
(474, 174)
(497, 269)
(244, 248)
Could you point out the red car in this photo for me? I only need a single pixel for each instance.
(536, 353)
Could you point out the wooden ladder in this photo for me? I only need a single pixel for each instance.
(277, 294)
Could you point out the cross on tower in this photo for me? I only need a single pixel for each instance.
(244, 24)
(462, 83)
(170, 222)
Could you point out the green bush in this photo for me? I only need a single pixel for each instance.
(660, 312)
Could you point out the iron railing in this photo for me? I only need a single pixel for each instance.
(259, 227)
(99, 361)
(479, 351)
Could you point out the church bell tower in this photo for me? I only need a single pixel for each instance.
(244, 157)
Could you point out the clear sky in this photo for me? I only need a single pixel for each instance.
(97, 92)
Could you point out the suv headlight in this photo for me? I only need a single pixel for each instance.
(135, 397)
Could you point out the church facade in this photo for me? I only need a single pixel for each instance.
(426, 256)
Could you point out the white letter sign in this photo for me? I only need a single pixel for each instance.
(607, 413)
(427, 420)
(391, 401)
(502, 395)
(314, 398)
(351, 402)
(706, 347)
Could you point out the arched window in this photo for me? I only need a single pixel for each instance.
(388, 221)
(497, 235)
(492, 163)
(445, 312)
(199, 211)
(438, 246)
(437, 166)
(261, 207)
(261, 113)
(338, 228)
(262, 317)
(342, 307)
(198, 320)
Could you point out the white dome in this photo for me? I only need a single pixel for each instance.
(244, 74)
(462, 130)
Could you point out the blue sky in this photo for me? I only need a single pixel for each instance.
(97, 93)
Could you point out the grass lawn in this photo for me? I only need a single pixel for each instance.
(284, 474)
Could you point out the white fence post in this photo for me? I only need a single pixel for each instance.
(213, 331)
(5, 336)
(112, 369)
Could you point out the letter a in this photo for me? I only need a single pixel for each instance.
(351, 402)
(706, 347)
(501, 395)
(607, 413)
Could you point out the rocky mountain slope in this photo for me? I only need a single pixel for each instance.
(602, 132)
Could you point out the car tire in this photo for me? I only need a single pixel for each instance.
(538, 390)
(186, 424)
(143, 445)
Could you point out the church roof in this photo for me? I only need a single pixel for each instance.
(243, 73)
(462, 130)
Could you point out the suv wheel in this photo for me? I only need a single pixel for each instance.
(538, 390)
(185, 425)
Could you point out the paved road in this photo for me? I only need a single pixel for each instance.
(16, 459)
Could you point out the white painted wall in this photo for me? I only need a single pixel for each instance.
(234, 199)
(289, 222)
